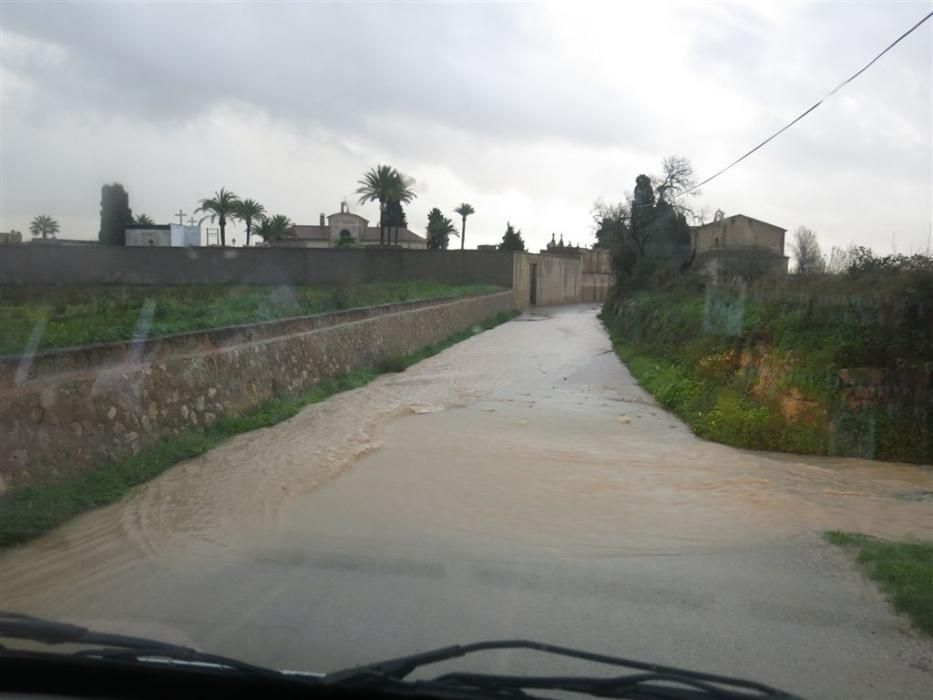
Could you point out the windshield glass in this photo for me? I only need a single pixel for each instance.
(332, 333)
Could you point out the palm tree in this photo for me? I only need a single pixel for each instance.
(143, 220)
(376, 186)
(274, 228)
(381, 184)
(249, 211)
(464, 210)
(440, 228)
(394, 219)
(222, 205)
(264, 230)
(283, 226)
(44, 226)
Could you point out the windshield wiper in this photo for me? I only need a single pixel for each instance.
(650, 680)
(110, 646)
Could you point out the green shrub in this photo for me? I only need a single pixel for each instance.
(393, 364)
(736, 421)
(684, 346)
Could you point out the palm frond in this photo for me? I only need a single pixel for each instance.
(43, 225)
(376, 184)
(248, 210)
(273, 228)
(465, 210)
(384, 183)
(222, 204)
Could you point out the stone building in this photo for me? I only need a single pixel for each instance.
(345, 225)
(555, 247)
(739, 245)
(596, 269)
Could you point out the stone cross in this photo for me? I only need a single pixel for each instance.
(181, 216)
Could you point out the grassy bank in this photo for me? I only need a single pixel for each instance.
(903, 570)
(762, 370)
(719, 412)
(61, 317)
(33, 510)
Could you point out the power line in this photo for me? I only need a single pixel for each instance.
(817, 104)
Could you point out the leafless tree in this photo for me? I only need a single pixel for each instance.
(806, 251)
(701, 216)
(620, 212)
(676, 177)
(612, 222)
(839, 259)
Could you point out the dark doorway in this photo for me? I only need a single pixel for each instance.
(533, 300)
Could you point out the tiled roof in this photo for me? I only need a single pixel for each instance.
(372, 234)
(739, 216)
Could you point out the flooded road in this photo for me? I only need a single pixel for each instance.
(519, 484)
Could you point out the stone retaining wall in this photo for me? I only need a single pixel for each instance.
(69, 410)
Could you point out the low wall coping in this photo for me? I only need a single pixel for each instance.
(101, 356)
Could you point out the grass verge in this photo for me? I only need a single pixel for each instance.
(717, 410)
(903, 570)
(47, 318)
(30, 511)
(764, 375)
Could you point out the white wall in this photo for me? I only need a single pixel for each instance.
(175, 236)
(160, 237)
(185, 236)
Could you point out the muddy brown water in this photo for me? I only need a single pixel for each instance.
(517, 484)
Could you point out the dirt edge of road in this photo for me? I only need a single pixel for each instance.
(903, 570)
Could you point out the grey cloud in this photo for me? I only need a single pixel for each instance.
(486, 102)
(479, 69)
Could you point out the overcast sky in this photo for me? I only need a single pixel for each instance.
(530, 112)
